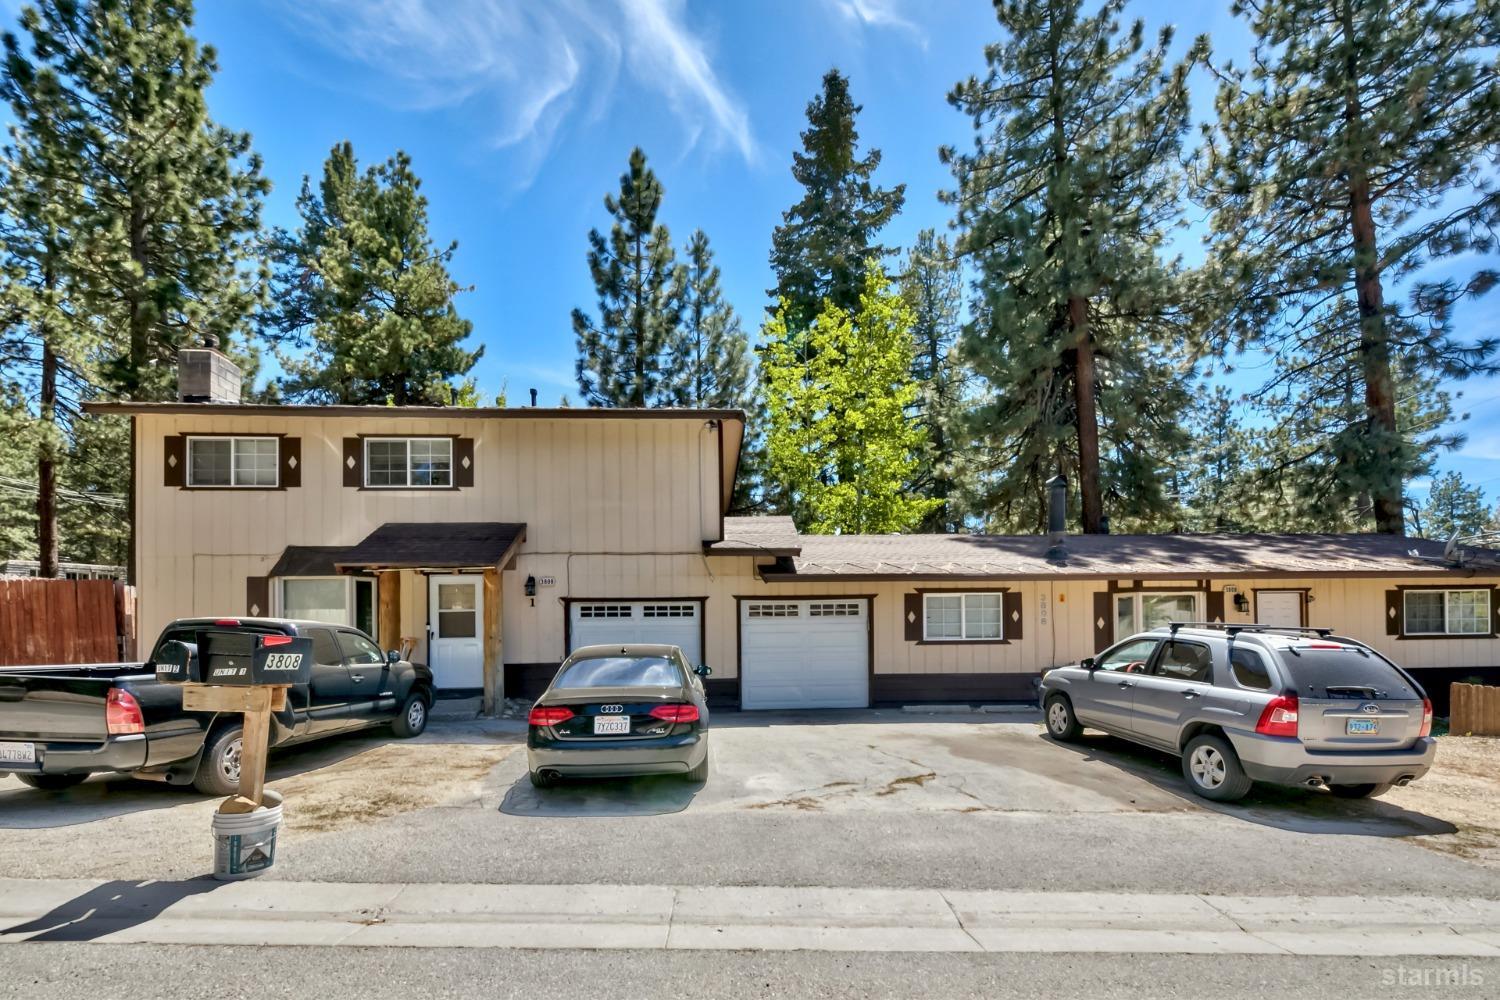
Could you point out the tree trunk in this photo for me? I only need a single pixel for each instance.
(140, 318)
(1087, 417)
(46, 466)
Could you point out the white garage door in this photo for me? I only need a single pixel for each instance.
(673, 623)
(804, 654)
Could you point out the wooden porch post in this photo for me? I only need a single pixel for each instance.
(494, 660)
(388, 586)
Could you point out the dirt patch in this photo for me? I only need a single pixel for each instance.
(806, 803)
(1463, 788)
(385, 781)
(906, 781)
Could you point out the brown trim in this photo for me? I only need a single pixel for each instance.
(134, 536)
(702, 602)
(1255, 592)
(921, 592)
(404, 412)
(258, 595)
(290, 475)
(739, 643)
(1401, 634)
(953, 687)
(1104, 612)
(361, 466)
(1139, 586)
(281, 483)
(528, 680)
(719, 479)
(1228, 573)
(463, 475)
(962, 590)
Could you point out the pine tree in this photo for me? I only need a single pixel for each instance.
(933, 287)
(1453, 506)
(1064, 203)
(1215, 478)
(362, 285)
(829, 239)
(840, 443)
(625, 358)
(1354, 152)
(710, 364)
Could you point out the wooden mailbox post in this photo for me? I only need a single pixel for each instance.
(256, 703)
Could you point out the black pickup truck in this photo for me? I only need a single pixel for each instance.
(59, 724)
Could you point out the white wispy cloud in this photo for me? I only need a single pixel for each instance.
(877, 14)
(525, 66)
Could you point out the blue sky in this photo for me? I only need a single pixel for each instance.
(520, 114)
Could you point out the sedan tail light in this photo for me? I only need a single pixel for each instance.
(1426, 729)
(549, 715)
(675, 713)
(122, 714)
(1279, 718)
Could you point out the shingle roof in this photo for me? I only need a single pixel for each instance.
(1123, 556)
(763, 536)
(309, 560)
(434, 545)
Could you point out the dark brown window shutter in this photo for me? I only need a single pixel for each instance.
(1393, 612)
(1215, 610)
(258, 596)
(291, 463)
(1103, 621)
(463, 462)
(913, 615)
(174, 460)
(1013, 616)
(354, 462)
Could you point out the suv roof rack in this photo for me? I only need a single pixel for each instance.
(1321, 632)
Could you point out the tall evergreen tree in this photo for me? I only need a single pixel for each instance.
(363, 286)
(625, 358)
(710, 362)
(1452, 506)
(829, 239)
(932, 284)
(1064, 203)
(841, 445)
(1356, 150)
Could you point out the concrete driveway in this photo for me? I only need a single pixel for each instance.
(859, 798)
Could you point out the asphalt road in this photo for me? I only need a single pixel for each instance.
(89, 972)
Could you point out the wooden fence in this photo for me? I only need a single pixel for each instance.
(1474, 710)
(65, 621)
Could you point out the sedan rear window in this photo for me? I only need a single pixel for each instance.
(619, 671)
(1344, 672)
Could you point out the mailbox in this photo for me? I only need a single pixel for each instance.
(247, 658)
(177, 662)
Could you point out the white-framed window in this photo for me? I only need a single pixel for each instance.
(338, 600)
(963, 617)
(1446, 612)
(423, 463)
(1143, 611)
(229, 462)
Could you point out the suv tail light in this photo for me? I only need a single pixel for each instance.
(675, 713)
(122, 714)
(549, 715)
(1279, 718)
(1426, 729)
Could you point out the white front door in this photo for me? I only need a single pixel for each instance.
(670, 623)
(455, 613)
(1282, 608)
(805, 654)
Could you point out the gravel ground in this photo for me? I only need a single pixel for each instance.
(1462, 789)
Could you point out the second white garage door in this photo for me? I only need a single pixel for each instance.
(805, 654)
(673, 623)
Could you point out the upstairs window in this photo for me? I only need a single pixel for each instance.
(423, 463)
(232, 461)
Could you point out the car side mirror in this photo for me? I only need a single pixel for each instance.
(393, 656)
(703, 670)
(1088, 663)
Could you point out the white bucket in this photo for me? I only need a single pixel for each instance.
(245, 843)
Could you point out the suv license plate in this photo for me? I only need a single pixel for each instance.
(1361, 727)
(17, 753)
(611, 725)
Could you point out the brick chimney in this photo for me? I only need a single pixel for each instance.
(206, 376)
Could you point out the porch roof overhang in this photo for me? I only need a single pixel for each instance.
(435, 545)
(309, 560)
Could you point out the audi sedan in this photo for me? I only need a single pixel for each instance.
(615, 711)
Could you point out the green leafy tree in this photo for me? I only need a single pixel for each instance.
(1453, 506)
(932, 284)
(363, 287)
(840, 443)
(624, 359)
(710, 361)
(829, 239)
(1352, 154)
(1064, 204)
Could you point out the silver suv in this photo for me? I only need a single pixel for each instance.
(1246, 703)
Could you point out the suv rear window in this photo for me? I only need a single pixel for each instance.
(620, 671)
(1344, 672)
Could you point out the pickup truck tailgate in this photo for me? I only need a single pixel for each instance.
(61, 705)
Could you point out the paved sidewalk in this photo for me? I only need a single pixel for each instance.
(205, 912)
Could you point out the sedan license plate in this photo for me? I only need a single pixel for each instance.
(1362, 727)
(17, 753)
(611, 725)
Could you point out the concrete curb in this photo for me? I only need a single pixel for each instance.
(739, 918)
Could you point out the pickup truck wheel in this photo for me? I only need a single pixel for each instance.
(1062, 724)
(219, 770)
(52, 782)
(1360, 791)
(1213, 769)
(413, 717)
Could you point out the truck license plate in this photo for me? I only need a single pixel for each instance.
(611, 725)
(17, 753)
(1362, 727)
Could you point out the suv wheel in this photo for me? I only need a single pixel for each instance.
(1213, 770)
(1360, 791)
(1062, 724)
